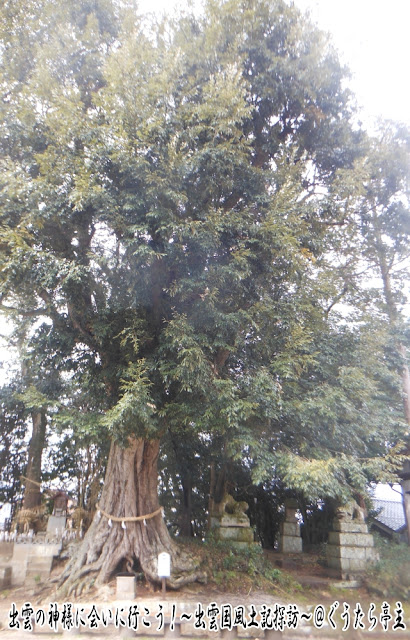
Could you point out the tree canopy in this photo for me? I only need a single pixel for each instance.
(180, 215)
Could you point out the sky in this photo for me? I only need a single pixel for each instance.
(372, 40)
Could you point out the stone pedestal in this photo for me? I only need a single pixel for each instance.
(290, 540)
(238, 535)
(350, 548)
(230, 523)
(56, 526)
(126, 588)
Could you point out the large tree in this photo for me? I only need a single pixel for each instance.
(13, 447)
(158, 218)
(376, 205)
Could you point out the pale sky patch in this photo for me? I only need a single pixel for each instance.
(372, 40)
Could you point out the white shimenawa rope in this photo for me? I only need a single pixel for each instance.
(125, 519)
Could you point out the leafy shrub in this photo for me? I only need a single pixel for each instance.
(232, 565)
(391, 575)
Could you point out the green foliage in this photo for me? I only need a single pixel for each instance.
(182, 206)
(13, 443)
(390, 576)
(231, 564)
(134, 412)
(33, 399)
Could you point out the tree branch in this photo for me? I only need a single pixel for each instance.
(21, 312)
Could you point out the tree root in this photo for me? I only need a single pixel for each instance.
(71, 579)
(130, 490)
(78, 575)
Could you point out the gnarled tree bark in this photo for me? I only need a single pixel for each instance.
(130, 489)
(32, 493)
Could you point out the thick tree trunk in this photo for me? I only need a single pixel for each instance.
(186, 512)
(211, 500)
(405, 483)
(405, 379)
(218, 487)
(32, 493)
(130, 489)
(405, 376)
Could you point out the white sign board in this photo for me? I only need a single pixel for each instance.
(164, 565)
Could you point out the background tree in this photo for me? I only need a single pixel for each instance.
(376, 202)
(34, 383)
(78, 454)
(184, 476)
(13, 444)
